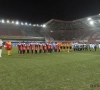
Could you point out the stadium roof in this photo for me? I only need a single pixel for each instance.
(87, 23)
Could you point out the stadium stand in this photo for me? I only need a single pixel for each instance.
(80, 29)
(23, 32)
(4, 32)
(16, 32)
(28, 32)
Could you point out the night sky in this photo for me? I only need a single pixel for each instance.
(41, 11)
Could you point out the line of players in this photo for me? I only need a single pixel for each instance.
(86, 47)
(36, 47)
(48, 47)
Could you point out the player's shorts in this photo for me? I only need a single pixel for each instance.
(61, 47)
(70, 47)
(64, 47)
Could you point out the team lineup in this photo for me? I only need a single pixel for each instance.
(54, 47)
(32, 48)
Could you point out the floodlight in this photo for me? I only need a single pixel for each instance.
(12, 21)
(89, 18)
(91, 22)
(99, 14)
(22, 23)
(7, 21)
(37, 25)
(44, 25)
(34, 25)
(17, 22)
(30, 24)
(3, 21)
(26, 23)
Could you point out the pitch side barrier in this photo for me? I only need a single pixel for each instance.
(22, 37)
(16, 39)
(62, 41)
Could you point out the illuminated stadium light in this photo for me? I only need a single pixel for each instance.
(3, 21)
(41, 25)
(12, 21)
(17, 22)
(99, 14)
(34, 25)
(91, 22)
(26, 23)
(44, 25)
(7, 21)
(30, 24)
(89, 18)
(22, 23)
(37, 25)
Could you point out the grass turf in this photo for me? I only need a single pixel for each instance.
(56, 71)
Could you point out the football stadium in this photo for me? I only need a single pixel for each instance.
(57, 55)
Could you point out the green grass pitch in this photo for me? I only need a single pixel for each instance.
(56, 71)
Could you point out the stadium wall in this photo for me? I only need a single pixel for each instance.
(28, 39)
